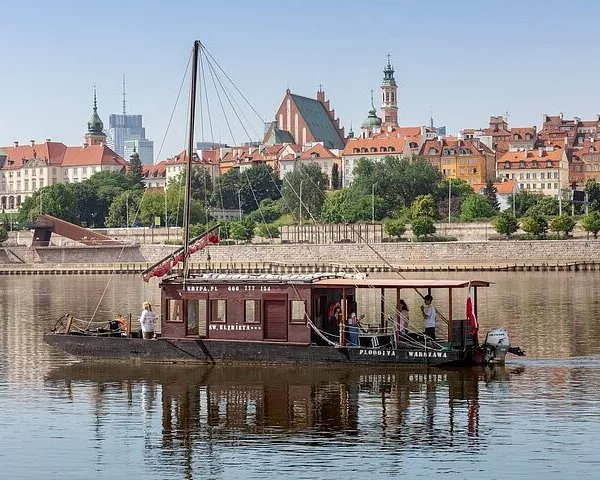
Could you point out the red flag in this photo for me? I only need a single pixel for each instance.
(471, 313)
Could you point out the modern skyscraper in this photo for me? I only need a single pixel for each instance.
(124, 128)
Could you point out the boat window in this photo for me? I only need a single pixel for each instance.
(298, 309)
(196, 317)
(174, 311)
(252, 310)
(217, 310)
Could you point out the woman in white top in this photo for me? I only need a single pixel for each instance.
(147, 321)
(401, 319)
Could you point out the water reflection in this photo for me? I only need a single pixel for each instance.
(202, 406)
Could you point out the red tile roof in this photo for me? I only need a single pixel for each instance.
(89, 155)
(318, 149)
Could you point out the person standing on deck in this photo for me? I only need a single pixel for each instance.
(353, 331)
(401, 319)
(428, 311)
(147, 321)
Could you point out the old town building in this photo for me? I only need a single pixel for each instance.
(24, 169)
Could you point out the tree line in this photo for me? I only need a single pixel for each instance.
(396, 191)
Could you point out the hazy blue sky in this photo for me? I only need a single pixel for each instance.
(460, 61)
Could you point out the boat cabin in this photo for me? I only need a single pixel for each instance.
(297, 309)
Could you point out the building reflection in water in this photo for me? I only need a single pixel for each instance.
(200, 406)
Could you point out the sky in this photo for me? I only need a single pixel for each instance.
(458, 62)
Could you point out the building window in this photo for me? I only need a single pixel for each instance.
(252, 311)
(298, 311)
(218, 310)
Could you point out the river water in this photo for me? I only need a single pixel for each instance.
(536, 417)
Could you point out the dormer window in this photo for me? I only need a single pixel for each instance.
(453, 152)
(522, 164)
(516, 136)
(355, 150)
(549, 163)
(391, 149)
(363, 150)
(528, 136)
(433, 151)
(592, 149)
(314, 155)
(506, 164)
(373, 149)
(534, 164)
(383, 149)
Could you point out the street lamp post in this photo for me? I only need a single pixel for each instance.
(300, 206)
(373, 203)
(449, 198)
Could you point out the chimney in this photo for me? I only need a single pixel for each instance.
(16, 144)
(32, 142)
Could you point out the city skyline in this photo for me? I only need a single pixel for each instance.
(458, 63)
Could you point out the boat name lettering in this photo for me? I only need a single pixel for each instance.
(234, 327)
(201, 288)
(428, 354)
(377, 352)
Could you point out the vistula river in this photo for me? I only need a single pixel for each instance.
(536, 417)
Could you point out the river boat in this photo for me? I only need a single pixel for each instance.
(285, 319)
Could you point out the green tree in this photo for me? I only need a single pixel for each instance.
(534, 225)
(3, 235)
(592, 189)
(394, 227)
(423, 227)
(397, 181)
(476, 206)
(268, 211)
(544, 205)
(591, 223)
(259, 183)
(423, 206)
(135, 173)
(344, 206)
(491, 193)
(124, 209)
(459, 190)
(90, 208)
(336, 182)
(308, 183)
(506, 224)
(56, 200)
(155, 204)
(521, 202)
(562, 224)
(240, 231)
(225, 194)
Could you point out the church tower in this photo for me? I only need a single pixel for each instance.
(389, 106)
(95, 134)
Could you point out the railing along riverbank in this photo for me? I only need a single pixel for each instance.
(133, 268)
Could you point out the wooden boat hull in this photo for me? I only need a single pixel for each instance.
(188, 350)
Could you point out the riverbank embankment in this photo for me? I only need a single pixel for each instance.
(504, 255)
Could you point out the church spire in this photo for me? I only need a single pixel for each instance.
(389, 107)
(95, 134)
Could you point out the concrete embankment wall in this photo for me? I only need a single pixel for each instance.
(502, 252)
(398, 254)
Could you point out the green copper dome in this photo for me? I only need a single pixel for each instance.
(95, 125)
(372, 120)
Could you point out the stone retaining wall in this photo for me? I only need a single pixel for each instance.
(403, 253)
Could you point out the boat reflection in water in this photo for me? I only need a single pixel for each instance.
(201, 405)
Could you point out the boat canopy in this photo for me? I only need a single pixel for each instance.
(331, 280)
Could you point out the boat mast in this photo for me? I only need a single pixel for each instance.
(190, 152)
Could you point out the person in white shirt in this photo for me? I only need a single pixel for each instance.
(147, 321)
(428, 311)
